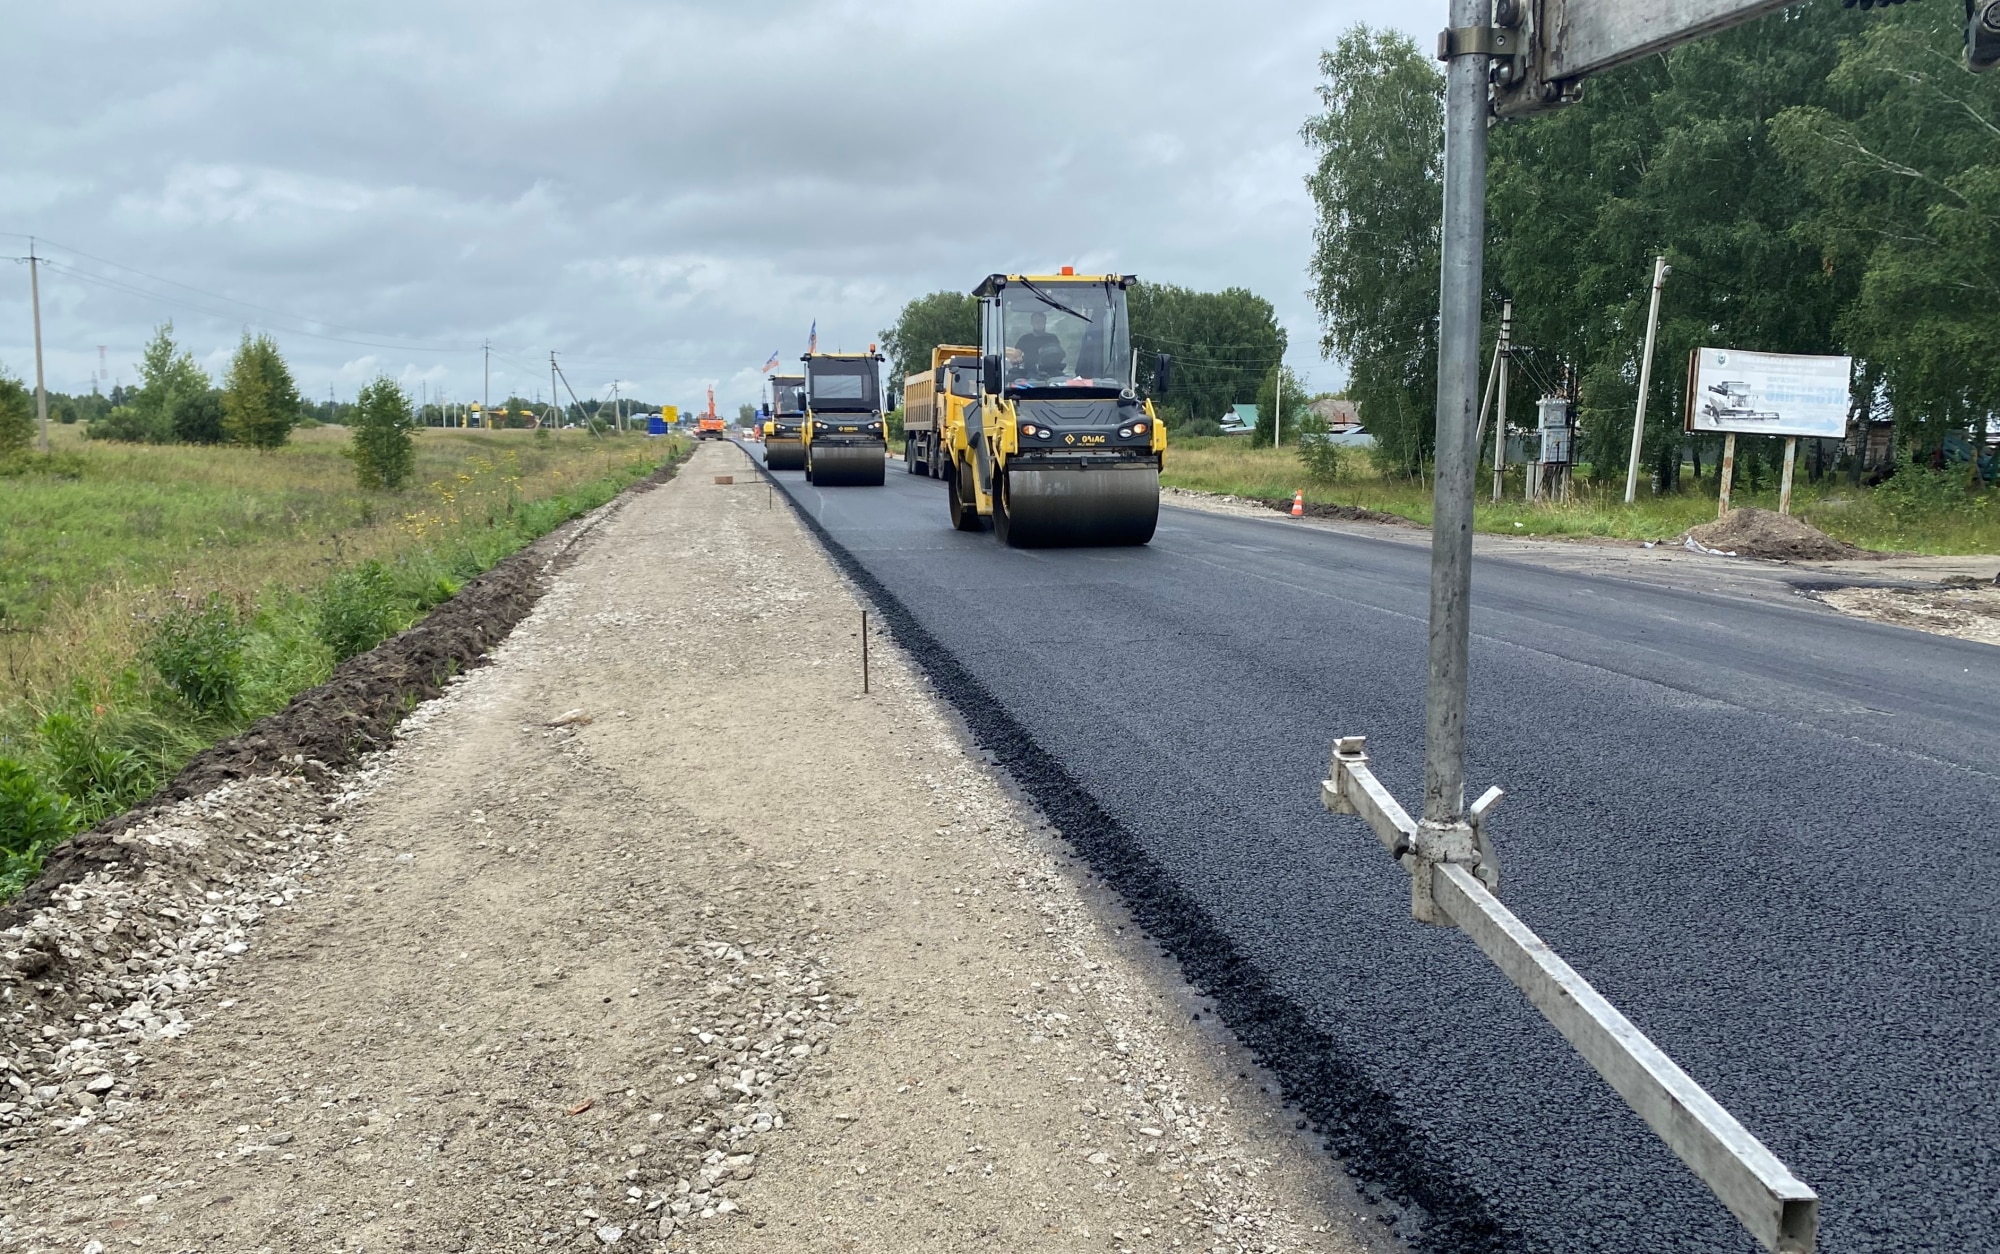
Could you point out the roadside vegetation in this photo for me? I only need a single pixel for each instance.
(1918, 510)
(155, 598)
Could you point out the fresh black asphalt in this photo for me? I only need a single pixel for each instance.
(1765, 831)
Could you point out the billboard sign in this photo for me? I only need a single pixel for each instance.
(1768, 393)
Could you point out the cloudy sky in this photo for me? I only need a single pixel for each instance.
(663, 193)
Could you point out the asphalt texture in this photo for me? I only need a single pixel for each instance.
(1763, 830)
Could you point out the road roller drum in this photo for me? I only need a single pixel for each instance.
(1051, 506)
(849, 465)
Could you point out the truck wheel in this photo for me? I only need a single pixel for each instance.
(910, 454)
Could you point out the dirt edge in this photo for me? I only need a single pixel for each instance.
(1358, 1123)
(355, 711)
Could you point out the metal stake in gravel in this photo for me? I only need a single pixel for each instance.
(864, 653)
(1530, 58)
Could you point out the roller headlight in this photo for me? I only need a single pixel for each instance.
(875, 427)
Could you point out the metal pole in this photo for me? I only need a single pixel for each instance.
(1486, 397)
(864, 651)
(1660, 269)
(486, 390)
(1785, 483)
(1278, 406)
(1728, 474)
(1458, 392)
(1500, 408)
(41, 386)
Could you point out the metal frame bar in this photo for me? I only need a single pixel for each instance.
(1777, 1208)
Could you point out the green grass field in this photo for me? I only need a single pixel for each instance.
(155, 599)
(1919, 517)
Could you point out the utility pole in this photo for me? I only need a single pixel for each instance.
(1278, 406)
(486, 389)
(41, 385)
(1500, 410)
(554, 400)
(1660, 271)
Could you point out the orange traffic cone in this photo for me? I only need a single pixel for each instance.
(1298, 504)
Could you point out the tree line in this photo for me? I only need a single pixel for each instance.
(1226, 348)
(1825, 180)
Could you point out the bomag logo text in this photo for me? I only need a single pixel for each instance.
(1092, 439)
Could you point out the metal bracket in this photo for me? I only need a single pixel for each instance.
(1453, 872)
(1420, 848)
(1478, 41)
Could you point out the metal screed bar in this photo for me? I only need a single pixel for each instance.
(1776, 1207)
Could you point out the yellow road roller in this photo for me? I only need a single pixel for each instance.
(784, 438)
(844, 431)
(1059, 449)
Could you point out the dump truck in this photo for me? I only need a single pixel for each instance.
(1059, 449)
(784, 437)
(710, 425)
(845, 432)
(930, 402)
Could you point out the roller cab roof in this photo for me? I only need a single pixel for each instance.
(994, 282)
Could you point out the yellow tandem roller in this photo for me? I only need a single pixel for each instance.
(1055, 506)
(1060, 449)
(846, 444)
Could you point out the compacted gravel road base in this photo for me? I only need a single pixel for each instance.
(656, 933)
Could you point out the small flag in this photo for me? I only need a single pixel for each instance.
(772, 364)
(812, 341)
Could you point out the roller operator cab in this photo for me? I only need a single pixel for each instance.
(844, 431)
(784, 438)
(1059, 449)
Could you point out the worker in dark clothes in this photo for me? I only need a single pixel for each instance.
(1041, 353)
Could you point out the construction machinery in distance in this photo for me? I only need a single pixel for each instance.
(1060, 449)
(710, 425)
(845, 432)
(932, 402)
(784, 435)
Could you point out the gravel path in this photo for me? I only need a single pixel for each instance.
(654, 934)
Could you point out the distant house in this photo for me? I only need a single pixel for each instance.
(1339, 416)
(1239, 420)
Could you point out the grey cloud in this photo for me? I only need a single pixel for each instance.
(663, 192)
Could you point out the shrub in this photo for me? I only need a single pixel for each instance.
(198, 650)
(1321, 457)
(381, 448)
(33, 818)
(197, 419)
(17, 418)
(356, 610)
(132, 426)
(1916, 489)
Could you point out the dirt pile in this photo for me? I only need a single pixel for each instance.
(1339, 513)
(1751, 532)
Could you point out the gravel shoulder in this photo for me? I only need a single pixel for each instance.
(655, 933)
